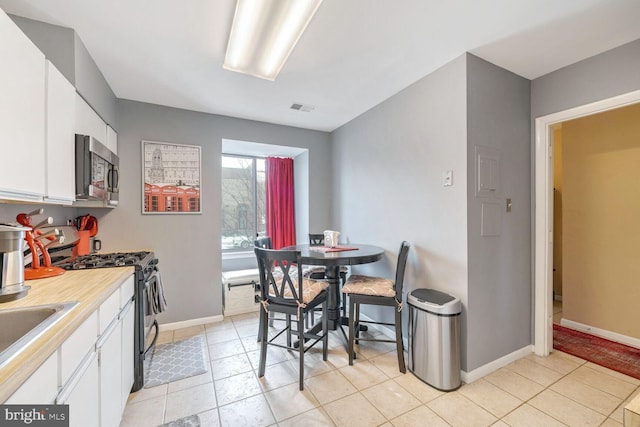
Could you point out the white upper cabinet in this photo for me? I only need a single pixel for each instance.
(60, 137)
(112, 140)
(88, 122)
(22, 110)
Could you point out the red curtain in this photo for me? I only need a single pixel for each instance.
(281, 224)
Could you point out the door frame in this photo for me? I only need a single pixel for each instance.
(543, 212)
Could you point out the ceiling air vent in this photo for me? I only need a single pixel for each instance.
(302, 107)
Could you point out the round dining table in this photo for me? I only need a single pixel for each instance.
(333, 259)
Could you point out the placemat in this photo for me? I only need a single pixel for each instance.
(325, 249)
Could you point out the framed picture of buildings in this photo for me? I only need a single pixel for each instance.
(171, 175)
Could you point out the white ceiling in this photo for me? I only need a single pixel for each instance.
(354, 54)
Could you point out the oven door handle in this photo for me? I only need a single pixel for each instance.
(153, 343)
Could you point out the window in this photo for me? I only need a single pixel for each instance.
(243, 201)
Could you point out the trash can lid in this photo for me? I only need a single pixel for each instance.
(435, 302)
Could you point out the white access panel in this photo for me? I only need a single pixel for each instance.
(487, 171)
(491, 219)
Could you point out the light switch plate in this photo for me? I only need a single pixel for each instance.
(447, 178)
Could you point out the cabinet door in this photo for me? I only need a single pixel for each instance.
(80, 394)
(109, 348)
(60, 153)
(41, 387)
(88, 122)
(22, 86)
(112, 139)
(127, 322)
(81, 341)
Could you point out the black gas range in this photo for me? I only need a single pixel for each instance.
(148, 297)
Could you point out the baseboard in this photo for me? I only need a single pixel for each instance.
(476, 374)
(603, 333)
(467, 377)
(191, 322)
(242, 310)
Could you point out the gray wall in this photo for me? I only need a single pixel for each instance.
(388, 164)
(60, 214)
(188, 246)
(499, 288)
(603, 76)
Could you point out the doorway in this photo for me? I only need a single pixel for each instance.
(543, 215)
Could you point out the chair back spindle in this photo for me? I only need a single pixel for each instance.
(316, 239)
(401, 267)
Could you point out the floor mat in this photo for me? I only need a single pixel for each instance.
(190, 421)
(610, 354)
(174, 361)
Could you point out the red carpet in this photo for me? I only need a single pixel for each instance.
(610, 354)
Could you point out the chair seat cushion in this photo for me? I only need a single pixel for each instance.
(369, 285)
(310, 290)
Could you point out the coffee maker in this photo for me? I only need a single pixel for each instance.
(12, 262)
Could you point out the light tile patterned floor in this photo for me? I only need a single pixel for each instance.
(533, 391)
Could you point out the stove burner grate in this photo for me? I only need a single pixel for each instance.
(116, 259)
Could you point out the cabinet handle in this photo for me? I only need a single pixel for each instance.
(107, 333)
(75, 378)
(125, 310)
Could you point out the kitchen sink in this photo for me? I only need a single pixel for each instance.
(19, 327)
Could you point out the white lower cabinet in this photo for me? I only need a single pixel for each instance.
(114, 352)
(127, 323)
(93, 370)
(42, 386)
(109, 348)
(75, 348)
(80, 393)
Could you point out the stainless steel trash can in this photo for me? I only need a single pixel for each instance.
(434, 338)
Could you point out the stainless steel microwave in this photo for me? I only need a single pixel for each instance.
(97, 171)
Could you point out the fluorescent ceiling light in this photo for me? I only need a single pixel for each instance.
(263, 34)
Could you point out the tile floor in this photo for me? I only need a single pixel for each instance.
(533, 391)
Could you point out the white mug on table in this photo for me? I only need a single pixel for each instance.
(331, 238)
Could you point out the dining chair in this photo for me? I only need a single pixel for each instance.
(370, 290)
(263, 242)
(284, 289)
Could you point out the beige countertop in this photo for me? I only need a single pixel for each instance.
(89, 287)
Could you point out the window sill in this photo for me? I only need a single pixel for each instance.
(238, 255)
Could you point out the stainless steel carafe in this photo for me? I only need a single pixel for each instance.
(11, 257)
